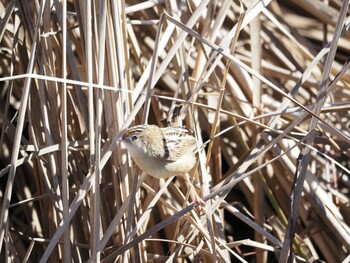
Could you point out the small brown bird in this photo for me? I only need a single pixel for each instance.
(162, 152)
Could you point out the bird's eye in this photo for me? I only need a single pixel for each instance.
(133, 137)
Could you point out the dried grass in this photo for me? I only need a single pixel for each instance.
(263, 84)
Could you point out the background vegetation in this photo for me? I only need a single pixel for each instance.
(264, 85)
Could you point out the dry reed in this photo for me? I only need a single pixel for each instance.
(264, 85)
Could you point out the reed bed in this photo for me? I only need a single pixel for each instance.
(264, 85)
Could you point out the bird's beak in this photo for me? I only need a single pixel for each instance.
(121, 135)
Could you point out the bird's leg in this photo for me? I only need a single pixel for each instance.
(198, 201)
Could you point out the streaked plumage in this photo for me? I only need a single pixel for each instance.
(161, 152)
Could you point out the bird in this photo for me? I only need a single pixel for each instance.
(163, 152)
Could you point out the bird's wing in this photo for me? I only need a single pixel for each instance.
(177, 142)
